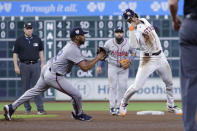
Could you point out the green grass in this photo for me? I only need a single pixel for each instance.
(87, 106)
(97, 106)
(15, 116)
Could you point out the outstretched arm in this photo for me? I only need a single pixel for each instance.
(133, 40)
(85, 65)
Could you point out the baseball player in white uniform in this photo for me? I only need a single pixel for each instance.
(53, 75)
(118, 49)
(152, 59)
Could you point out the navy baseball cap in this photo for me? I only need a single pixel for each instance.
(77, 31)
(28, 25)
(118, 29)
(128, 13)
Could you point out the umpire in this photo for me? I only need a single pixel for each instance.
(188, 61)
(29, 48)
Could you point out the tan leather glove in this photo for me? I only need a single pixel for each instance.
(125, 63)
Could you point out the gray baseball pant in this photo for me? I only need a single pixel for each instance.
(29, 76)
(51, 79)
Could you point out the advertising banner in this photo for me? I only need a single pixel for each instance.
(84, 8)
(97, 89)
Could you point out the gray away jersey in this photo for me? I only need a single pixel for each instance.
(63, 62)
(118, 52)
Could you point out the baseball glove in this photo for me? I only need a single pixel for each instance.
(125, 63)
(102, 49)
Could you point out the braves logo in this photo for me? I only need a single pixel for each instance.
(117, 53)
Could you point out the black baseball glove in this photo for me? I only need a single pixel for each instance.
(102, 49)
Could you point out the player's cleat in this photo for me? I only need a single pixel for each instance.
(175, 110)
(8, 111)
(82, 117)
(118, 111)
(41, 113)
(112, 111)
(123, 109)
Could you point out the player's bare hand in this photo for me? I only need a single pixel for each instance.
(176, 23)
(17, 70)
(99, 70)
(42, 65)
(101, 55)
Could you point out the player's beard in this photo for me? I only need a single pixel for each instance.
(81, 42)
(119, 40)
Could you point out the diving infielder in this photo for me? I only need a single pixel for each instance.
(152, 59)
(53, 75)
(118, 49)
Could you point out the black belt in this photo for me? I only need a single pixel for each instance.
(191, 16)
(56, 73)
(156, 53)
(29, 61)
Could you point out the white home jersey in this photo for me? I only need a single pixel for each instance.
(150, 45)
(152, 59)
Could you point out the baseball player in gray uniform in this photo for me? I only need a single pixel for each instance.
(118, 49)
(53, 75)
(152, 59)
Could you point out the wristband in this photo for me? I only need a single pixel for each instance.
(100, 63)
(132, 57)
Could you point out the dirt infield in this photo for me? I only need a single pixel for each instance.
(102, 121)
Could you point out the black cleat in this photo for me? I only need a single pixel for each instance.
(113, 111)
(82, 117)
(175, 110)
(8, 111)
